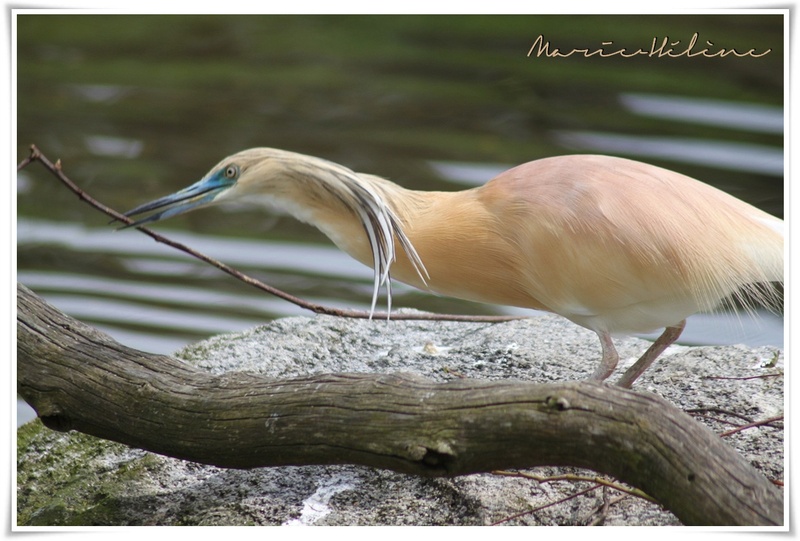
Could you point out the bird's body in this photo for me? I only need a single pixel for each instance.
(614, 245)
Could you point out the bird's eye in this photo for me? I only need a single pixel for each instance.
(232, 171)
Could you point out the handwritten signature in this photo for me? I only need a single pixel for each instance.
(666, 48)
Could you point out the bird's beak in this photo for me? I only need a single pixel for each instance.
(199, 194)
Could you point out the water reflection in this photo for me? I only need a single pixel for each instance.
(727, 155)
(470, 174)
(735, 115)
(100, 93)
(103, 145)
(263, 254)
(723, 155)
(120, 312)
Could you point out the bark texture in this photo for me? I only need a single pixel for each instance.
(78, 378)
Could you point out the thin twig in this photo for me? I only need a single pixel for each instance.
(599, 482)
(574, 477)
(750, 422)
(742, 378)
(545, 506)
(37, 156)
(717, 419)
(752, 425)
(720, 410)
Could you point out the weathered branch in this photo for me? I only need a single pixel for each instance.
(80, 379)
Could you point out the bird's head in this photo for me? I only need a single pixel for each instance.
(249, 174)
(330, 196)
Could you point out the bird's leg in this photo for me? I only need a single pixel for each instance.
(669, 336)
(610, 358)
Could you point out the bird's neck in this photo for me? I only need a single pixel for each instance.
(454, 233)
(340, 222)
(455, 236)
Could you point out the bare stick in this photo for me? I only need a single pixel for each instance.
(751, 422)
(37, 156)
(571, 477)
(545, 506)
(760, 376)
(752, 425)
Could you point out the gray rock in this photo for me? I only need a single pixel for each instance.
(74, 479)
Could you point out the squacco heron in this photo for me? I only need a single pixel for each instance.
(614, 245)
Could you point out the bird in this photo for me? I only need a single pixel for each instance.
(614, 245)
